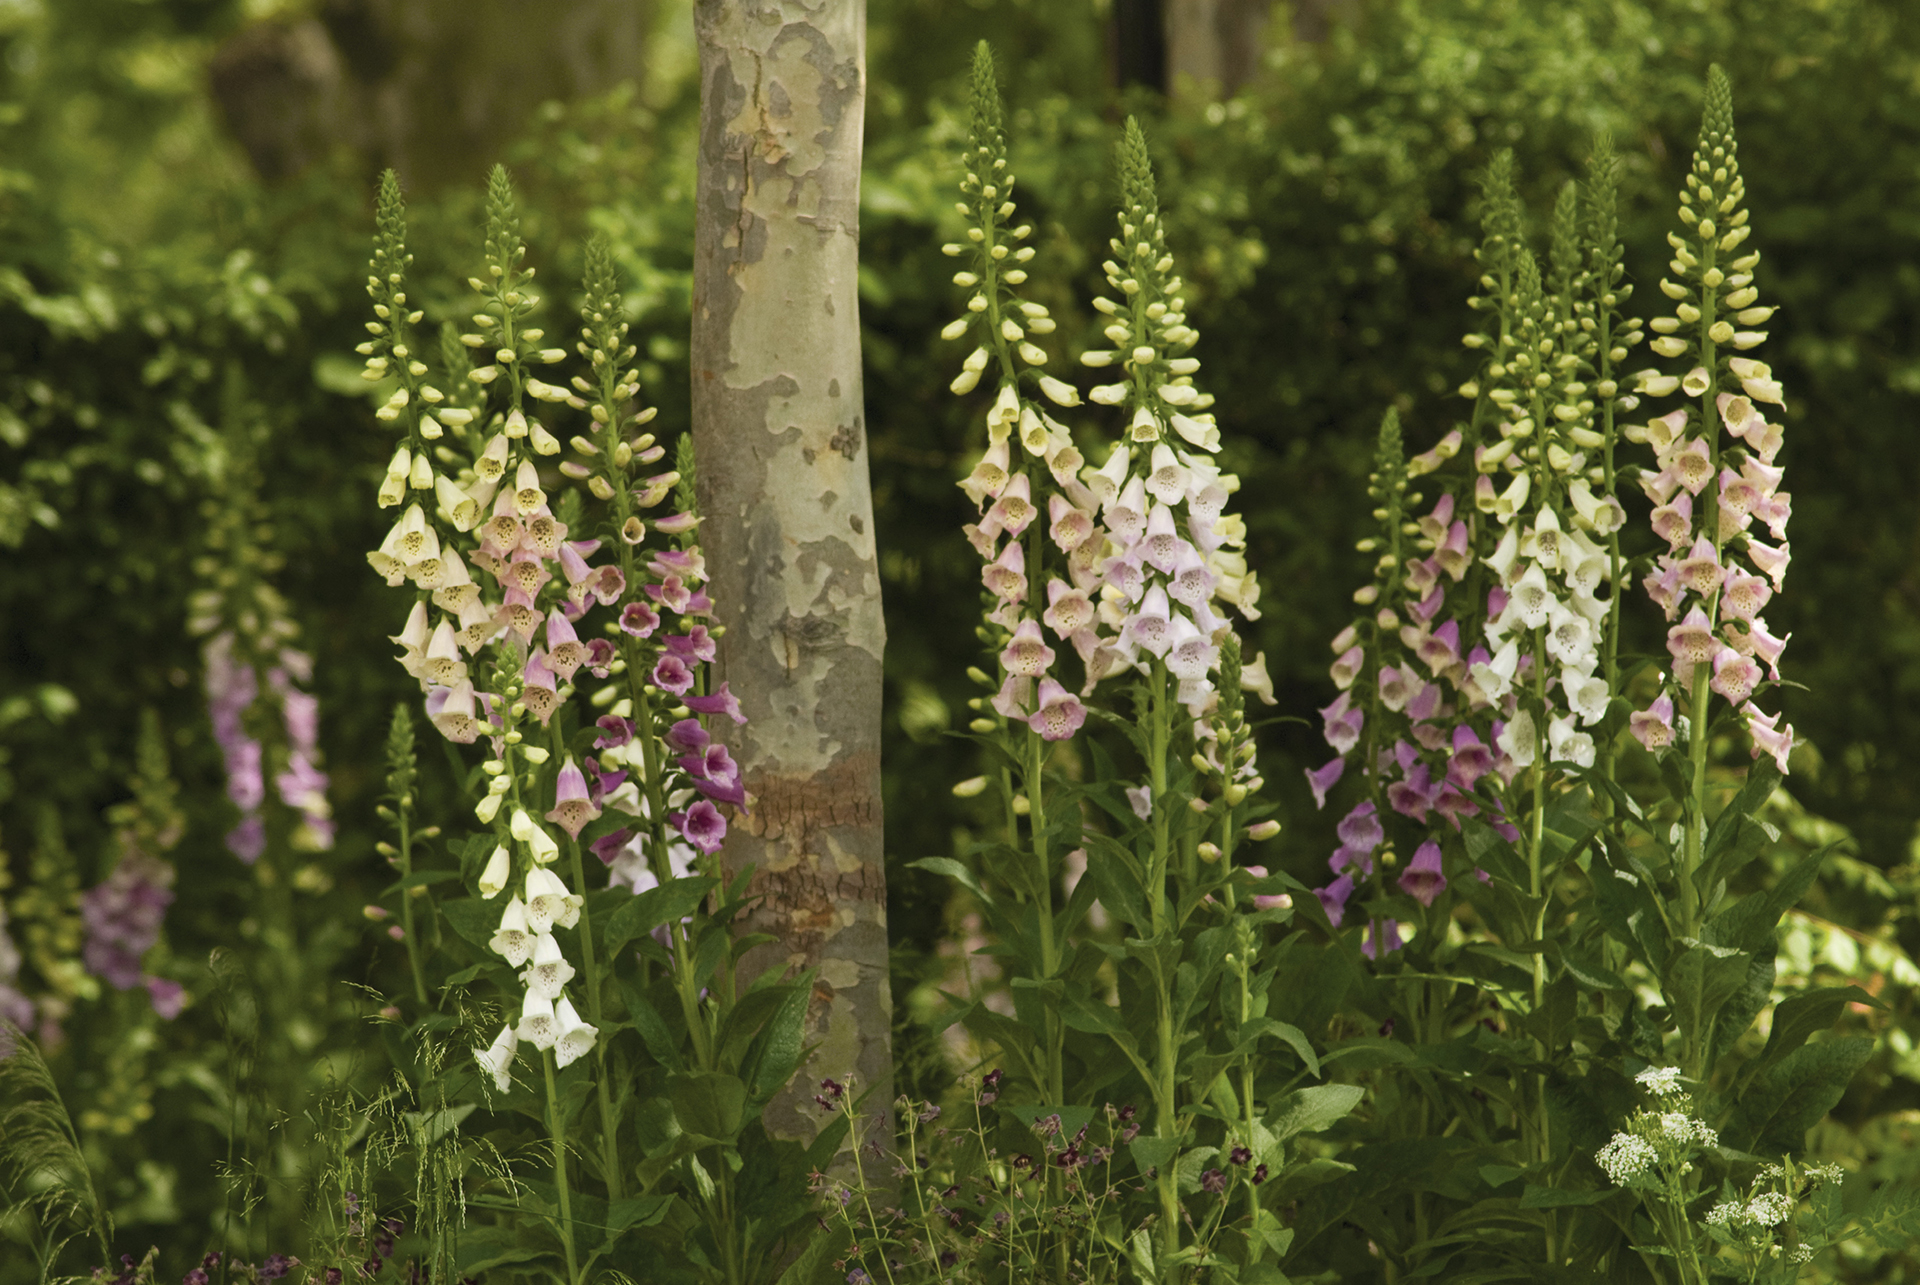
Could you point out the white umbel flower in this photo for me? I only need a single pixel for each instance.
(1626, 1158)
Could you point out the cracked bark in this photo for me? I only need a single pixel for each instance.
(780, 436)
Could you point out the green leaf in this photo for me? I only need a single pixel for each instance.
(1153, 1153)
(1799, 1017)
(1751, 920)
(814, 1266)
(775, 1053)
(420, 879)
(953, 870)
(671, 901)
(1292, 1036)
(1556, 1198)
(708, 1103)
(1314, 1108)
(474, 920)
(1699, 979)
(1790, 1097)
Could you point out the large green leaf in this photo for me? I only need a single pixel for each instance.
(1313, 1108)
(671, 901)
(1800, 1017)
(1786, 1100)
(708, 1103)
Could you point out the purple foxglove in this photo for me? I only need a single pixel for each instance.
(1107, 481)
(518, 613)
(1587, 695)
(1425, 703)
(688, 564)
(1060, 713)
(1415, 795)
(1734, 676)
(1692, 465)
(687, 737)
(540, 689)
(246, 785)
(122, 918)
(720, 702)
(694, 645)
(1757, 641)
(442, 665)
(549, 972)
(671, 593)
(1383, 936)
(549, 903)
(614, 732)
(639, 620)
(1439, 651)
(1343, 723)
(248, 839)
(572, 808)
(1351, 859)
(1494, 677)
(1471, 759)
(573, 565)
(513, 939)
(607, 847)
(497, 1060)
(576, 1037)
(1069, 610)
(1569, 637)
(1673, 521)
(1360, 829)
(1395, 687)
(1455, 806)
(538, 1025)
(493, 880)
(1161, 546)
(1123, 574)
(1333, 898)
(565, 652)
(989, 476)
(1700, 570)
(1768, 740)
(1071, 527)
(1151, 626)
(1255, 678)
(1323, 778)
(670, 674)
(1027, 654)
(1756, 380)
(1422, 879)
(1746, 596)
(1663, 586)
(1691, 642)
(702, 826)
(1533, 599)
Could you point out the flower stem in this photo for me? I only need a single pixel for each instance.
(560, 1167)
(406, 901)
(1164, 1093)
(609, 1141)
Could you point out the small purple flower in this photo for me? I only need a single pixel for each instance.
(1213, 1181)
(1323, 778)
(123, 917)
(572, 809)
(671, 594)
(672, 675)
(695, 645)
(1360, 829)
(1333, 898)
(614, 732)
(721, 702)
(168, 996)
(600, 655)
(702, 826)
(640, 620)
(607, 846)
(687, 737)
(1422, 879)
(198, 1276)
(1388, 933)
(276, 1266)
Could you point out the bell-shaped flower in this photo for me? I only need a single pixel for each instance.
(1069, 610)
(1471, 759)
(1150, 627)
(1006, 576)
(697, 645)
(1425, 703)
(1756, 380)
(1695, 381)
(1494, 677)
(1566, 745)
(1070, 527)
(1395, 687)
(1775, 510)
(1107, 481)
(1673, 522)
(1692, 465)
(1569, 637)
(1125, 575)
(1434, 524)
(1013, 511)
(1504, 553)
(1383, 938)
(1360, 829)
(451, 711)
(1167, 478)
(720, 702)
(442, 664)
(513, 940)
(1653, 726)
(527, 495)
(1060, 714)
(1255, 678)
(1413, 796)
(1691, 642)
(1333, 898)
(1601, 515)
(538, 1026)
(549, 903)
(1027, 653)
(1700, 570)
(1735, 676)
(540, 690)
(565, 652)
(1439, 650)
(549, 972)
(1126, 517)
(1422, 879)
(1197, 431)
(1663, 586)
(672, 675)
(1193, 581)
(1746, 595)
(1542, 542)
(1755, 640)
(701, 825)
(497, 1060)
(1516, 740)
(1347, 665)
(1587, 695)
(412, 639)
(1772, 561)
(1323, 778)
(1512, 501)
(1344, 722)
(1453, 556)
(539, 843)
(576, 1037)
(1768, 736)
(454, 588)
(1533, 598)
(572, 808)
(493, 880)
(1192, 653)
(639, 620)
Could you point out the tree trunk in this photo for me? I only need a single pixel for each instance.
(1214, 46)
(779, 431)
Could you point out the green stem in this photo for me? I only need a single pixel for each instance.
(609, 1141)
(1166, 1126)
(559, 1134)
(406, 906)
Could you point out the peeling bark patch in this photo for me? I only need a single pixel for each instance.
(859, 527)
(833, 390)
(846, 438)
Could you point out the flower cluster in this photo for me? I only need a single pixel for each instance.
(1659, 1144)
(1148, 558)
(1713, 496)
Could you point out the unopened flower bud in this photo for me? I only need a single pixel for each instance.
(601, 488)
(1264, 830)
(970, 787)
(983, 725)
(1209, 852)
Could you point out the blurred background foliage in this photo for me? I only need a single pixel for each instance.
(185, 192)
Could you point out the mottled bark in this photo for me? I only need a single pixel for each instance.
(779, 429)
